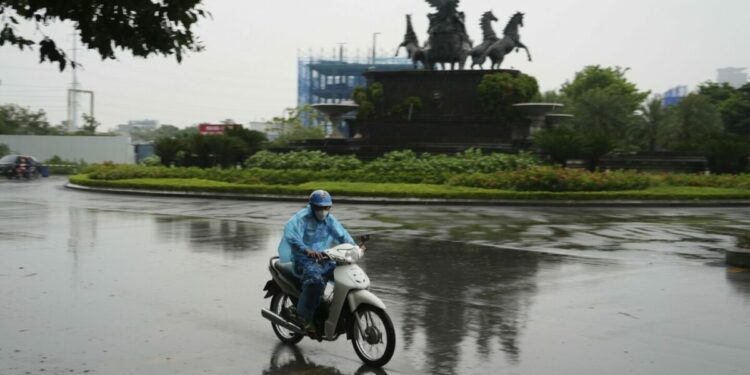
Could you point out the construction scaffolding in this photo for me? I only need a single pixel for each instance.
(321, 80)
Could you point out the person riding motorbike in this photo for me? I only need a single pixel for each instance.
(306, 235)
(22, 168)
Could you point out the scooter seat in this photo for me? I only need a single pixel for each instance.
(287, 269)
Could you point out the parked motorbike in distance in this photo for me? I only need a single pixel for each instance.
(352, 309)
(20, 167)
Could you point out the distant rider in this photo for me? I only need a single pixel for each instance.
(306, 235)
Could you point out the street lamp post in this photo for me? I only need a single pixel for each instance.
(374, 42)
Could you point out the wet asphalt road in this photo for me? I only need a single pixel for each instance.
(111, 284)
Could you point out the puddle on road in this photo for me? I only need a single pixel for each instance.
(471, 290)
(614, 234)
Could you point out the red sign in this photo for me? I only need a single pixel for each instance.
(215, 129)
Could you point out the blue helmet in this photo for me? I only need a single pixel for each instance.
(320, 198)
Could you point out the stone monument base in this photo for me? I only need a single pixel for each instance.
(449, 109)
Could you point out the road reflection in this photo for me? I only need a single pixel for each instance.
(456, 297)
(235, 238)
(289, 359)
(739, 279)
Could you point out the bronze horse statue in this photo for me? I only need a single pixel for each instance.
(488, 38)
(411, 44)
(511, 40)
(449, 45)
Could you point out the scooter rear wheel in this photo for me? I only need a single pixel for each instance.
(373, 336)
(280, 305)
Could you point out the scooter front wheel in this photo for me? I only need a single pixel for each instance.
(281, 305)
(373, 336)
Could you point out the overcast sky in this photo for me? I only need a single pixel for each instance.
(248, 71)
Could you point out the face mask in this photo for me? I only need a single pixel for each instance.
(321, 214)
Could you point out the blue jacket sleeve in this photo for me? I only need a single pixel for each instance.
(339, 233)
(294, 232)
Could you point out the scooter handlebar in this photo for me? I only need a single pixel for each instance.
(344, 253)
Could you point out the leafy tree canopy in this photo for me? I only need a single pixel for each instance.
(733, 104)
(608, 79)
(717, 92)
(560, 144)
(649, 125)
(604, 103)
(187, 147)
(144, 27)
(15, 119)
(89, 125)
(149, 135)
(499, 91)
(692, 122)
(292, 128)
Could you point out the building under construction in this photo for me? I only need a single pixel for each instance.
(321, 80)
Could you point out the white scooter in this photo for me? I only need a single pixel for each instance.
(352, 309)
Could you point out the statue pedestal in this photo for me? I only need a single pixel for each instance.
(450, 110)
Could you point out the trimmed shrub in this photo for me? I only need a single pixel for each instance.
(471, 160)
(555, 179)
(59, 166)
(312, 160)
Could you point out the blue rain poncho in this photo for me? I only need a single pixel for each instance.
(304, 231)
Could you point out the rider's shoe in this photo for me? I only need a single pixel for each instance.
(310, 329)
(306, 326)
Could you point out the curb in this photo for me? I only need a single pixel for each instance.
(423, 201)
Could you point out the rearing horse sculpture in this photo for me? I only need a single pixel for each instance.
(411, 43)
(510, 40)
(488, 38)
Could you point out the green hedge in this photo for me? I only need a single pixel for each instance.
(542, 178)
(711, 180)
(469, 161)
(413, 190)
(471, 169)
(298, 167)
(555, 179)
(312, 160)
(472, 160)
(187, 184)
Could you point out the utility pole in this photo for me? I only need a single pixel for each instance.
(73, 91)
(341, 51)
(374, 41)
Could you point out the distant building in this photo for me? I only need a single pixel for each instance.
(137, 124)
(674, 95)
(322, 80)
(735, 77)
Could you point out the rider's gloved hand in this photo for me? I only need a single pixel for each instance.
(314, 254)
